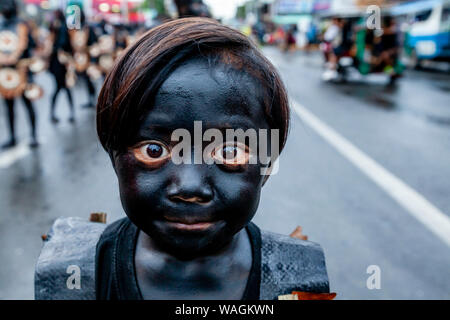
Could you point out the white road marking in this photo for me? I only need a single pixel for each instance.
(414, 203)
(8, 157)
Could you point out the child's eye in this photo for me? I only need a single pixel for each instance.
(231, 154)
(152, 153)
(155, 150)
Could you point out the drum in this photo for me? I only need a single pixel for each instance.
(106, 44)
(9, 42)
(81, 60)
(63, 57)
(106, 62)
(12, 82)
(79, 40)
(94, 72)
(33, 92)
(37, 65)
(94, 51)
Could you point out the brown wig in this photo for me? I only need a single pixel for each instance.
(133, 82)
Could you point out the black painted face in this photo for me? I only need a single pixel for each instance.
(190, 209)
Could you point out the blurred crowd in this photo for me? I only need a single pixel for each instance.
(70, 47)
(344, 42)
(348, 42)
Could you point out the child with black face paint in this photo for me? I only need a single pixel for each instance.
(188, 232)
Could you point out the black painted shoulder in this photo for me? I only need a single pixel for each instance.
(68, 254)
(289, 264)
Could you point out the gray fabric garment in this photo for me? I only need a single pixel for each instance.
(287, 264)
(71, 243)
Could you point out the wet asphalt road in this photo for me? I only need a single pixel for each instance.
(406, 130)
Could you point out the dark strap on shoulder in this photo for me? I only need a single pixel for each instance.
(115, 279)
(253, 283)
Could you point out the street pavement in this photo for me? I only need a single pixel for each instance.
(405, 130)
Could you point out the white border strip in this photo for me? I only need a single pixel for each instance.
(408, 198)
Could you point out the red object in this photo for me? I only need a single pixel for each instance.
(133, 16)
(314, 296)
(136, 17)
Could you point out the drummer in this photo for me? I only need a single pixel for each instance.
(60, 42)
(81, 41)
(14, 48)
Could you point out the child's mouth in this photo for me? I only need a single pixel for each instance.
(188, 225)
(200, 226)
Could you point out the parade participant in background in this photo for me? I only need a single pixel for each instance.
(60, 47)
(103, 53)
(188, 232)
(331, 38)
(338, 37)
(290, 41)
(15, 47)
(311, 35)
(120, 36)
(343, 49)
(82, 39)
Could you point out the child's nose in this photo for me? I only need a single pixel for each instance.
(190, 185)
